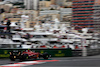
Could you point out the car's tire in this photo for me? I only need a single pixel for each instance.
(12, 58)
(45, 55)
(24, 57)
(40, 56)
(35, 58)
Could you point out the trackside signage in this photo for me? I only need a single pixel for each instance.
(4, 53)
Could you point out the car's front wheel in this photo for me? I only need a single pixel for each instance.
(12, 58)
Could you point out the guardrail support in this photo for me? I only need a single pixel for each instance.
(84, 52)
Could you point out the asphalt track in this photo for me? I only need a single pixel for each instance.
(90, 61)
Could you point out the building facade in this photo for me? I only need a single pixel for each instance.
(44, 4)
(31, 13)
(50, 14)
(53, 2)
(62, 3)
(66, 14)
(7, 8)
(68, 3)
(13, 0)
(31, 4)
(86, 14)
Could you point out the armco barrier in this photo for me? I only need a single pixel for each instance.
(76, 52)
(89, 52)
(4, 53)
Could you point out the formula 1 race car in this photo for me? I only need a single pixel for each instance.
(28, 54)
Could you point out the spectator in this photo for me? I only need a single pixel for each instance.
(8, 25)
(28, 36)
(20, 46)
(2, 22)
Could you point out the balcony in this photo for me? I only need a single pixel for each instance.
(83, 26)
(81, 20)
(84, 12)
(82, 6)
(83, 3)
(84, 9)
(81, 23)
(83, 15)
(80, 29)
(81, 0)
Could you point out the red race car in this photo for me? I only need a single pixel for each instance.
(28, 54)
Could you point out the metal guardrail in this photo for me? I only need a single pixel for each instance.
(57, 52)
(76, 53)
(89, 52)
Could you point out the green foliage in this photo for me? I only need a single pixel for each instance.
(17, 3)
(52, 9)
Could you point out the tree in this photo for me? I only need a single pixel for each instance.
(52, 9)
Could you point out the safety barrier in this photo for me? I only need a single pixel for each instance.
(91, 52)
(76, 52)
(4, 53)
(87, 52)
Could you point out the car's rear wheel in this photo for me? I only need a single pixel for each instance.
(24, 57)
(45, 55)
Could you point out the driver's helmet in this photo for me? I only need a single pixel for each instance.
(28, 50)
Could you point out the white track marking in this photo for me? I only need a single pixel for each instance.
(26, 63)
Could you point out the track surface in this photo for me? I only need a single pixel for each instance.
(92, 61)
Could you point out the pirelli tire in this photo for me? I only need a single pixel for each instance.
(24, 57)
(12, 58)
(45, 55)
